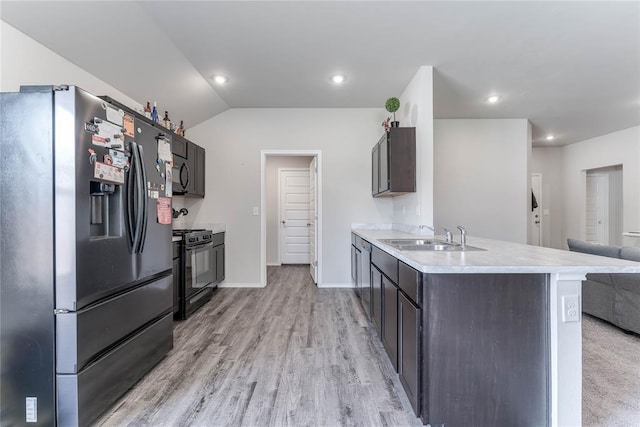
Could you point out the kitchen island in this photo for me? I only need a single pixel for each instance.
(489, 337)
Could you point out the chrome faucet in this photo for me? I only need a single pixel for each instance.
(423, 226)
(449, 235)
(463, 236)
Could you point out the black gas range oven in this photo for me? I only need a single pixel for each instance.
(195, 281)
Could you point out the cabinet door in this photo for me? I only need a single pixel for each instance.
(390, 320)
(383, 184)
(354, 279)
(376, 299)
(375, 169)
(219, 250)
(410, 350)
(358, 282)
(200, 171)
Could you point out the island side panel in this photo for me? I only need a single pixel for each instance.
(486, 349)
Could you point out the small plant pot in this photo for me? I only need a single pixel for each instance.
(395, 124)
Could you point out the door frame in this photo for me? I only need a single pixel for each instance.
(537, 176)
(263, 207)
(280, 170)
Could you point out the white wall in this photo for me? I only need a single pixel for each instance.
(416, 109)
(273, 163)
(547, 161)
(481, 177)
(233, 141)
(617, 148)
(23, 61)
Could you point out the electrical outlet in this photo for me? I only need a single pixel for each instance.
(570, 308)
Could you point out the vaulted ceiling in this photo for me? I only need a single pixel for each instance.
(571, 68)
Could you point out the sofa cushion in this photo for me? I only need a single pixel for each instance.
(593, 249)
(630, 253)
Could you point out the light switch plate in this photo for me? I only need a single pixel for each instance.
(256, 211)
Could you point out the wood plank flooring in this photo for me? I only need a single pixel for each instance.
(287, 355)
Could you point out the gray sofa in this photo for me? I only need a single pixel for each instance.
(611, 297)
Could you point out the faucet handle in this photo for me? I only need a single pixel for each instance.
(449, 235)
(462, 230)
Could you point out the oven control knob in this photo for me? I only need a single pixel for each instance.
(206, 237)
(192, 239)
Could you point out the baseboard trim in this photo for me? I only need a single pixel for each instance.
(274, 264)
(337, 285)
(240, 285)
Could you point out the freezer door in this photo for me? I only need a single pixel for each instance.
(155, 255)
(93, 258)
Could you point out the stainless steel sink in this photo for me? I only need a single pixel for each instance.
(428, 245)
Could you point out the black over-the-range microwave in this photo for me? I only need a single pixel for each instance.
(180, 175)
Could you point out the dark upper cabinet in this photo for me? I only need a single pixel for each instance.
(393, 163)
(196, 168)
(179, 146)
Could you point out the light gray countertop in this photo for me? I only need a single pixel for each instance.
(499, 257)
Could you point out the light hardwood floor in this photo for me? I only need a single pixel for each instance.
(287, 355)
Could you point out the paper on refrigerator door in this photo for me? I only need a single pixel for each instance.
(168, 180)
(164, 210)
(164, 150)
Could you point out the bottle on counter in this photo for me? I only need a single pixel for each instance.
(180, 129)
(154, 113)
(147, 110)
(166, 121)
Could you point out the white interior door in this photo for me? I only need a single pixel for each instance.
(597, 208)
(313, 216)
(536, 212)
(294, 216)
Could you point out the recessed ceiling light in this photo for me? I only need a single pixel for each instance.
(220, 79)
(493, 99)
(549, 137)
(338, 78)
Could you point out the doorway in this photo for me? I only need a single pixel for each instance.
(291, 201)
(604, 205)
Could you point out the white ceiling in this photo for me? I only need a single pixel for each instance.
(572, 68)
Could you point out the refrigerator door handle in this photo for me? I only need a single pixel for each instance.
(139, 196)
(145, 200)
(130, 216)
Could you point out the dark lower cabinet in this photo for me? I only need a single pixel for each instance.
(376, 298)
(220, 271)
(218, 257)
(410, 350)
(390, 320)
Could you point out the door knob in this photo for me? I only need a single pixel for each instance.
(283, 222)
(537, 222)
(308, 224)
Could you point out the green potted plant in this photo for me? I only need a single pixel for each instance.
(392, 105)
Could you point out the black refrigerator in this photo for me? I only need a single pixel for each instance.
(86, 267)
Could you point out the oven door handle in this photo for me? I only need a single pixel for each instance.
(193, 248)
